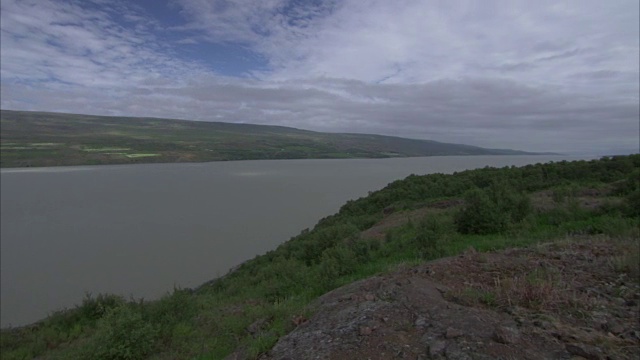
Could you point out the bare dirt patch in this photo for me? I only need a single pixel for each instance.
(394, 219)
(587, 198)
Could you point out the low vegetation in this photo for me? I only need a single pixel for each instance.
(53, 139)
(265, 298)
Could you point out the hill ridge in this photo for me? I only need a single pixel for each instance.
(53, 139)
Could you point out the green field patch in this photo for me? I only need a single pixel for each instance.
(116, 133)
(134, 156)
(105, 149)
(31, 146)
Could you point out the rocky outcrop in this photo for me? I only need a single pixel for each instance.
(431, 312)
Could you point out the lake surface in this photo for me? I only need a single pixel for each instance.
(140, 230)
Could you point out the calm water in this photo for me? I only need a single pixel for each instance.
(141, 230)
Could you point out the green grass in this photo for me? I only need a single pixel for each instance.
(106, 149)
(135, 156)
(258, 303)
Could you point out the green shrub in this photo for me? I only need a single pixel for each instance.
(122, 334)
(327, 273)
(431, 233)
(95, 308)
(492, 210)
(281, 278)
(632, 204)
(480, 215)
(363, 249)
(345, 259)
(564, 193)
(170, 309)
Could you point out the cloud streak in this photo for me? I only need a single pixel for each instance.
(541, 76)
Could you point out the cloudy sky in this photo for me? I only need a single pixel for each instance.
(530, 75)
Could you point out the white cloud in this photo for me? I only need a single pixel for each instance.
(62, 42)
(541, 75)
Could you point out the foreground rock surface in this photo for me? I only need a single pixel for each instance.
(569, 300)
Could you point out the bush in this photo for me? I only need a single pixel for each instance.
(171, 308)
(122, 334)
(492, 210)
(632, 204)
(95, 308)
(628, 185)
(565, 193)
(480, 215)
(430, 235)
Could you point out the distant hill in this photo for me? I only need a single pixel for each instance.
(52, 139)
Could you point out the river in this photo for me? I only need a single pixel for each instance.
(140, 230)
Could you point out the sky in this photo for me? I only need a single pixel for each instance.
(538, 75)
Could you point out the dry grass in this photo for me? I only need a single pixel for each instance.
(574, 276)
(627, 259)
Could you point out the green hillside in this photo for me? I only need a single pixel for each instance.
(53, 139)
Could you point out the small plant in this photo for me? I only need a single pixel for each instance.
(489, 298)
(431, 233)
(563, 194)
(632, 203)
(262, 344)
(122, 334)
(539, 289)
(628, 261)
(95, 308)
(472, 296)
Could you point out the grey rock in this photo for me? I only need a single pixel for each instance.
(365, 330)
(586, 351)
(452, 333)
(453, 352)
(437, 347)
(256, 326)
(613, 327)
(421, 322)
(506, 335)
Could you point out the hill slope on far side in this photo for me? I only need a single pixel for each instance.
(53, 139)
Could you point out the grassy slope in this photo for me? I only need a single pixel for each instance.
(262, 299)
(51, 139)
